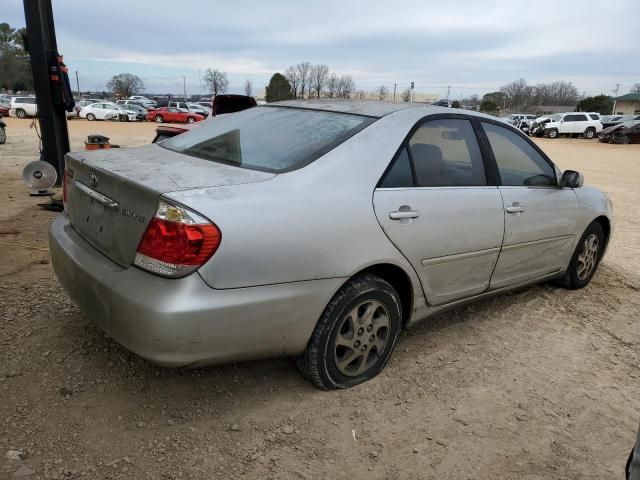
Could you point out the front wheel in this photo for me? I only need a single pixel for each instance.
(553, 133)
(191, 120)
(585, 259)
(589, 133)
(91, 117)
(158, 119)
(355, 336)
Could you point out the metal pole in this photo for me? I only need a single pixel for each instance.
(184, 87)
(395, 85)
(77, 83)
(42, 47)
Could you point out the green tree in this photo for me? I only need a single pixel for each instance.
(488, 106)
(125, 84)
(602, 104)
(495, 97)
(455, 104)
(278, 89)
(14, 60)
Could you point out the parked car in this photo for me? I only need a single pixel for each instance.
(106, 111)
(617, 120)
(573, 123)
(84, 103)
(172, 114)
(4, 109)
(23, 107)
(194, 107)
(317, 230)
(139, 110)
(3, 131)
(442, 103)
(517, 118)
(228, 103)
(142, 99)
(627, 132)
(139, 103)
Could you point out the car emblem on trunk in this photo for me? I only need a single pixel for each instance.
(93, 179)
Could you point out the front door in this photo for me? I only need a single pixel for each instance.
(540, 217)
(436, 206)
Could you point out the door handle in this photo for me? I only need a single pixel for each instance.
(515, 208)
(402, 214)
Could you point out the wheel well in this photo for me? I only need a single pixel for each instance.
(399, 280)
(606, 227)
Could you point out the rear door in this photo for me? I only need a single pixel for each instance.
(540, 217)
(439, 208)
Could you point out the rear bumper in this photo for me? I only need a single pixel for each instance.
(184, 322)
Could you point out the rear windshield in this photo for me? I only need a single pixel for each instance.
(271, 139)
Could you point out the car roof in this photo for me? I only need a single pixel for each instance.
(370, 108)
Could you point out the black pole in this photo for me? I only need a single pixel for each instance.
(42, 46)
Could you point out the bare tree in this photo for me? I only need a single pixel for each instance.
(248, 87)
(382, 91)
(635, 88)
(216, 80)
(125, 84)
(303, 74)
(291, 74)
(406, 95)
(318, 76)
(361, 94)
(332, 86)
(520, 94)
(346, 87)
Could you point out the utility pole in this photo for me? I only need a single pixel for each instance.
(395, 85)
(411, 94)
(615, 92)
(77, 83)
(448, 92)
(184, 87)
(42, 48)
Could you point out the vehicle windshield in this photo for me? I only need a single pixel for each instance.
(556, 117)
(271, 139)
(631, 123)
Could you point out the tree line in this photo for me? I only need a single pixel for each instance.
(14, 60)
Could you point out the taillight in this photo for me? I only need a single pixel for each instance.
(177, 241)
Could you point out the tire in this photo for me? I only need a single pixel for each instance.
(624, 139)
(91, 117)
(553, 133)
(20, 113)
(585, 257)
(331, 361)
(158, 119)
(191, 120)
(589, 133)
(3, 135)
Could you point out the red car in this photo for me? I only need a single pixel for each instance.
(171, 115)
(4, 110)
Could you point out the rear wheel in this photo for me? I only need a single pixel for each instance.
(91, 117)
(553, 133)
(20, 113)
(355, 335)
(586, 258)
(589, 133)
(158, 119)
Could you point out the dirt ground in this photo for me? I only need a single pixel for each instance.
(539, 384)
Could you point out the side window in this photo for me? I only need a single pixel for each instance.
(399, 175)
(570, 118)
(594, 117)
(445, 152)
(518, 162)
(580, 118)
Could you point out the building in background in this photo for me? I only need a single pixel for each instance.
(627, 104)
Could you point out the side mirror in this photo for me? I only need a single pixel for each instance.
(572, 179)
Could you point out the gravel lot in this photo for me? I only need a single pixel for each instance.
(542, 383)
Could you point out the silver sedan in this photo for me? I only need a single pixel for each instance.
(317, 230)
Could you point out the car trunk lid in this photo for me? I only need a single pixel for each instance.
(113, 194)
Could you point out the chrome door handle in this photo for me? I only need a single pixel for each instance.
(399, 215)
(515, 209)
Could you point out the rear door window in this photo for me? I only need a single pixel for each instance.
(445, 152)
(272, 139)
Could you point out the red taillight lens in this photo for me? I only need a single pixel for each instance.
(177, 241)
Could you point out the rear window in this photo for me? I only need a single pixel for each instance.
(271, 139)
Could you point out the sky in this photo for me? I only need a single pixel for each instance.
(473, 46)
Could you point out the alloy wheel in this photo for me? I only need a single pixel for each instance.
(361, 338)
(588, 257)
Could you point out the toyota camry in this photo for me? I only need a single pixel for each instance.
(317, 230)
